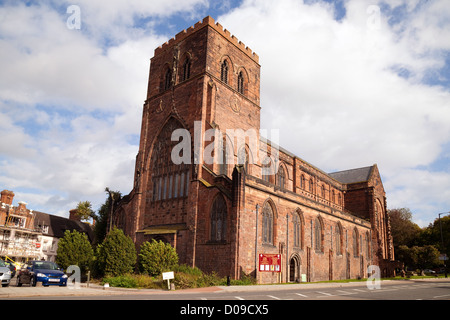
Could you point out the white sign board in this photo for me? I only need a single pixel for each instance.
(168, 275)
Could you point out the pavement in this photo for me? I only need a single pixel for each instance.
(83, 289)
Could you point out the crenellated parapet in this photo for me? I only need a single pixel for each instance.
(208, 21)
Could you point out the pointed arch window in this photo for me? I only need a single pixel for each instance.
(218, 219)
(355, 243)
(224, 71)
(281, 177)
(243, 158)
(338, 240)
(240, 83)
(267, 219)
(165, 174)
(186, 69)
(168, 79)
(298, 230)
(318, 236)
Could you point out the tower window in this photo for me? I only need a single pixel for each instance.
(241, 83)
(186, 70)
(168, 80)
(224, 72)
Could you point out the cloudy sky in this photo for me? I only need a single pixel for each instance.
(348, 83)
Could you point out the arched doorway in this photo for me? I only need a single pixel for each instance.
(294, 268)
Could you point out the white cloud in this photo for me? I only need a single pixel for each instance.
(71, 100)
(332, 88)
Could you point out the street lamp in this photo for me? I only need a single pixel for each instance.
(442, 240)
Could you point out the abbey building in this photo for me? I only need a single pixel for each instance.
(220, 206)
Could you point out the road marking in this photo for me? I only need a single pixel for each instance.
(203, 299)
(346, 292)
(239, 298)
(273, 297)
(359, 290)
(301, 295)
(445, 295)
(325, 293)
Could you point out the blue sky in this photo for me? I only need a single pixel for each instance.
(348, 83)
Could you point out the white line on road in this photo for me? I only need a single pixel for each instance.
(326, 293)
(346, 292)
(301, 295)
(239, 298)
(273, 297)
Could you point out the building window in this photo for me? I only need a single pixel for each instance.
(186, 69)
(338, 240)
(218, 219)
(311, 185)
(224, 72)
(281, 177)
(298, 230)
(165, 174)
(355, 243)
(318, 236)
(267, 218)
(241, 83)
(323, 191)
(302, 182)
(168, 79)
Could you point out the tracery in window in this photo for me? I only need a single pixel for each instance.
(318, 235)
(267, 219)
(281, 177)
(169, 180)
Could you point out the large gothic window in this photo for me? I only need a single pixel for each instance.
(169, 180)
(298, 230)
(338, 240)
(267, 219)
(218, 219)
(281, 177)
(168, 79)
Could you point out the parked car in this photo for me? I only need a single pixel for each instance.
(11, 267)
(5, 274)
(46, 272)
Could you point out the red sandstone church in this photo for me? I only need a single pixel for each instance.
(231, 215)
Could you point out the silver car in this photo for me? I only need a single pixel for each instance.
(5, 274)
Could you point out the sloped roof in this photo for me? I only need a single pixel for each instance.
(58, 225)
(352, 175)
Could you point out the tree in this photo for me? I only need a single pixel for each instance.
(403, 230)
(74, 249)
(157, 257)
(84, 210)
(428, 257)
(117, 254)
(101, 219)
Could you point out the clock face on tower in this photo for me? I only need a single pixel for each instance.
(235, 104)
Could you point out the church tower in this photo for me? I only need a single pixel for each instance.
(202, 79)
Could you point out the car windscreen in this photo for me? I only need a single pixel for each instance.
(45, 265)
(2, 263)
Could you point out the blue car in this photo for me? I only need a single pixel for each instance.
(46, 272)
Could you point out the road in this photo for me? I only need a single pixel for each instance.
(433, 289)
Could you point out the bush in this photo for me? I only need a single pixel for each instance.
(116, 255)
(74, 249)
(157, 257)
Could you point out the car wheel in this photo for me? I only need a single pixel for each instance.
(19, 284)
(33, 282)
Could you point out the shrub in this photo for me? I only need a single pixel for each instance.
(116, 255)
(74, 249)
(157, 257)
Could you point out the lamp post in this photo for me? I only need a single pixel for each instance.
(442, 240)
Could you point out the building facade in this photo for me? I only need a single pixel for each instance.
(27, 234)
(208, 184)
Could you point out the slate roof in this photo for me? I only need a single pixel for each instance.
(353, 175)
(58, 225)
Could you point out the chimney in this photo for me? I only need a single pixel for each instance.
(7, 197)
(73, 215)
(22, 205)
